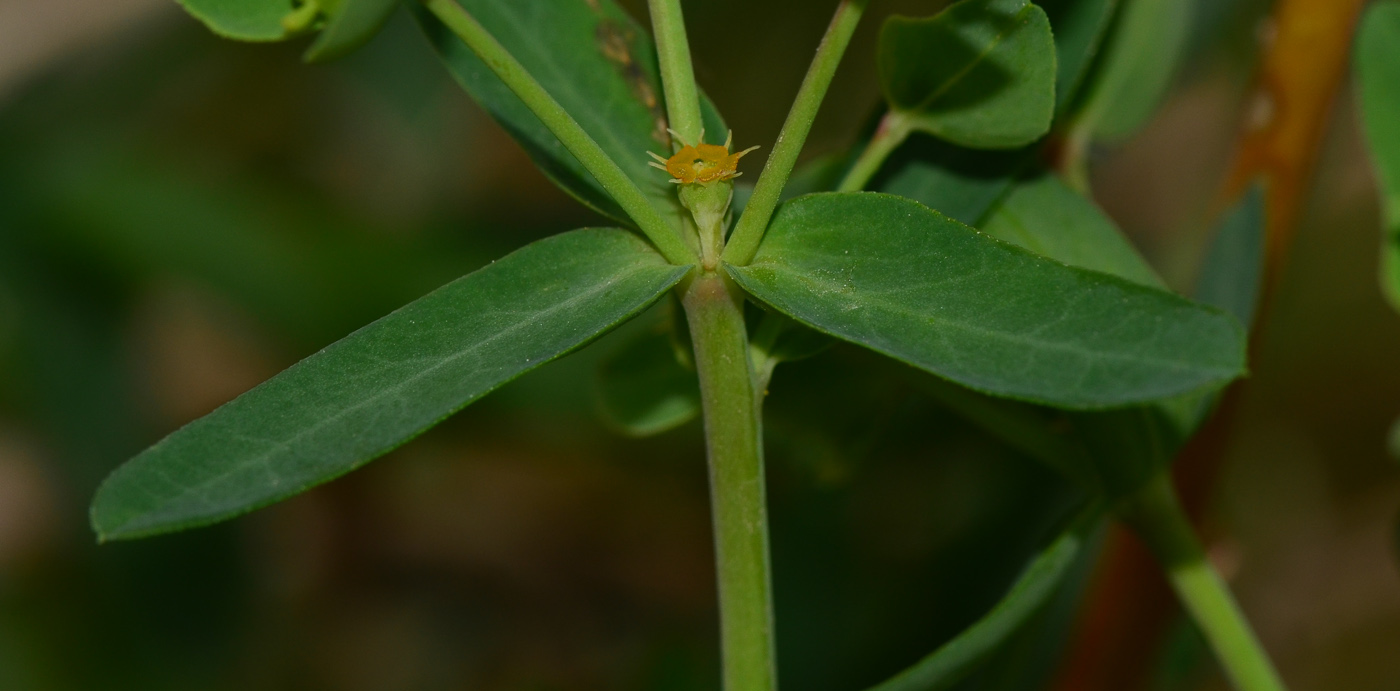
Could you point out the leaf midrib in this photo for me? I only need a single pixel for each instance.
(981, 57)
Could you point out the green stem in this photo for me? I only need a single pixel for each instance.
(734, 444)
(666, 237)
(893, 130)
(1157, 517)
(743, 242)
(677, 74)
(1074, 159)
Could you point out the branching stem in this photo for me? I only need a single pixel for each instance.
(677, 74)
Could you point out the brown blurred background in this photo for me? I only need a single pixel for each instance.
(182, 216)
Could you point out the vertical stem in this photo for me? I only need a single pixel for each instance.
(677, 74)
(665, 236)
(743, 242)
(738, 502)
(893, 130)
(1157, 517)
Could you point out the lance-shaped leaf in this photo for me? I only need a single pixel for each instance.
(246, 20)
(385, 383)
(599, 65)
(1080, 27)
(980, 73)
(906, 281)
(1028, 596)
(1378, 70)
(349, 25)
(1139, 60)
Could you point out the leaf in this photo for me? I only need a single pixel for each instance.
(1139, 60)
(1233, 271)
(1080, 27)
(352, 24)
(245, 20)
(386, 383)
(1378, 73)
(906, 281)
(981, 73)
(599, 65)
(1028, 596)
(962, 184)
(644, 390)
(1047, 217)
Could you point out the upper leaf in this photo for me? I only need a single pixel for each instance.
(386, 383)
(1139, 60)
(1080, 27)
(599, 65)
(351, 24)
(246, 20)
(980, 73)
(897, 277)
(1378, 69)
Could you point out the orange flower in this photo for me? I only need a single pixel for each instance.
(702, 163)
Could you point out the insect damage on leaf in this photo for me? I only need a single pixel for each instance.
(615, 43)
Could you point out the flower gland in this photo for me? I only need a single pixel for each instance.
(701, 163)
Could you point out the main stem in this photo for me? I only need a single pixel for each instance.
(1157, 517)
(735, 449)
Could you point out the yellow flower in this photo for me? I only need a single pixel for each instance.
(702, 163)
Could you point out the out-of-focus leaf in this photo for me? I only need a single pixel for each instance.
(1080, 27)
(903, 280)
(962, 184)
(1046, 217)
(1028, 596)
(246, 20)
(644, 390)
(600, 66)
(1395, 440)
(386, 383)
(1378, 71)
(351, 24)
(1139, 60)
(981, 73)
(1233, 270)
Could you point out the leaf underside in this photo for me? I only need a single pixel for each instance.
(906, 281)
(245, 20)
(352, 25)
(386, 383)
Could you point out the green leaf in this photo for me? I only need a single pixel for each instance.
(1233, 271)
(962, 184)
(386, 383)
(906, 281)
(644, 390)
(352, 23)
(1080, 27)
(600, 66)
(1378, 71)
(1029, 595)
(1141, 57)
(1047, 217)
(246, 20)
(980, 73)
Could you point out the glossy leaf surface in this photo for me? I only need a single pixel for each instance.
(1378, 69)
(1029, 595)
(386, 383)
(246, 20)
(906, 281)
(1046, 217)
(644, 390)
(599, 65)
(1140, 58)
(981, 73)
(352, 24)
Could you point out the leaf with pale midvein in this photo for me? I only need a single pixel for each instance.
(386, 383)
(595, 60)
(981, 73)
(906, 281)
(1029, 595)
(1378, 81)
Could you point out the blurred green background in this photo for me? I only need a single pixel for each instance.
(182, 216)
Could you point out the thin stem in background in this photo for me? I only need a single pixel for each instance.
(734, 446)
(1156, 515)
(666, 237)
(677, 74)
(743, 243)
(893, 130)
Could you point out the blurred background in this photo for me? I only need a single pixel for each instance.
(182, 216)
